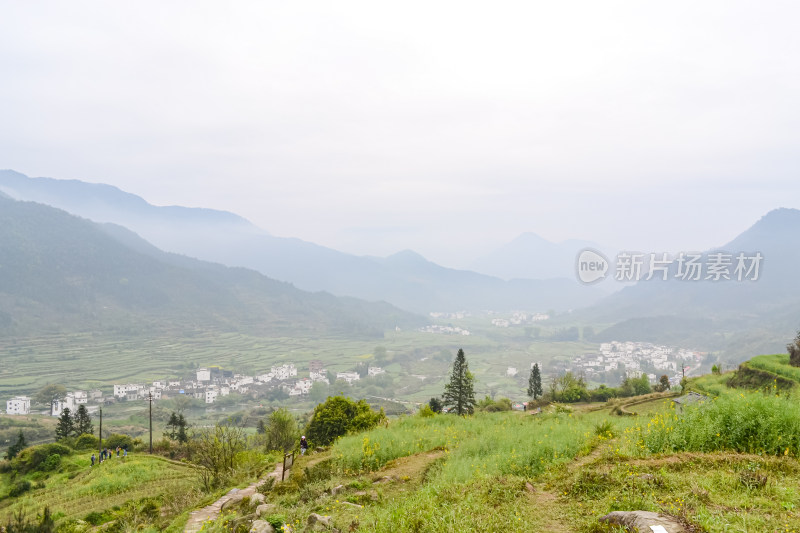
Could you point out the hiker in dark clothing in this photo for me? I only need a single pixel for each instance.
(93, 459)
(303, 445)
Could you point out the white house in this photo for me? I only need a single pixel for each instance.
(284, 371)
(321, 375)
(375, 370)
(18, 405)
(203, 374)
(511, 371)
(349, 377)
(121, 391)
(211, 395)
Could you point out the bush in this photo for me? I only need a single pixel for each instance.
(52, 462)
(116, 439)
(426, 411)
(20, 487)
(34, 457)
(339, 416)
(86, 441)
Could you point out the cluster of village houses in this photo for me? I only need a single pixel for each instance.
(208, 385)
(519, 318)
(211, 383)
(634, 357)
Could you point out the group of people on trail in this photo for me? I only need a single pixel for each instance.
(105, 453)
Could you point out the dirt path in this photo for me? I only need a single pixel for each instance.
(551, 515)
(211, 512)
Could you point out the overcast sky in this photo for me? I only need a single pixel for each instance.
(444, 127)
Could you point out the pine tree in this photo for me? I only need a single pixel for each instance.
(17, 447)
(82, 421)
(65, 426)
(535, 383)
(172, 425)
(182, 436)
(459, 393)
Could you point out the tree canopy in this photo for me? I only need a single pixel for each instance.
(338, 416)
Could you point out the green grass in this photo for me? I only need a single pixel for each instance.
(744, 422)
(76, 490)
(486, 444)
(777, 364)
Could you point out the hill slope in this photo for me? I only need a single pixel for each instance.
(58, 271)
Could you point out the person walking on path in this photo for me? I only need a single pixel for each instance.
(303, 445)
(117, 452)
(93, 458)
(124, 452)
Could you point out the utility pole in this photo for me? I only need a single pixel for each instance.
(150, 398)
(100, 435)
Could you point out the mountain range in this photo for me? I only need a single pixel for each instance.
(59, 272)
(406, 279)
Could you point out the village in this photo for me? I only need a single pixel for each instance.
(635, 359)
(208, 385)
(612, 361)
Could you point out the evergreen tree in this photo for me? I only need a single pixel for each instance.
(172, 425)
(459, 393)
(65, 426)
(181, 434)
(17, 447)
(435, 404)
(535, 390)
(82, 421)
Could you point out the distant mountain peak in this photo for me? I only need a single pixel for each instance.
(407, 256)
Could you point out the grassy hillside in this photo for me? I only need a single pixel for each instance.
(727, 464)
(118, 488)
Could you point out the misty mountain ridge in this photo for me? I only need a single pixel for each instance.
(406, 279)
(530, 256)
(60, 272)
(736, 317)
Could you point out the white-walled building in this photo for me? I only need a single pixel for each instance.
(203, 374)
(321, 375)
(284, 372)
(349, 377)
(18, 405)
(375, 370)
(121, 391)
(211, 395)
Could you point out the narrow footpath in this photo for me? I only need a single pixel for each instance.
(211, 512)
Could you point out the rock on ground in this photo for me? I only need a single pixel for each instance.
(262, 526)
(642, 520)
(265, 508)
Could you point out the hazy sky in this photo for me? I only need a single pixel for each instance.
(444, 127)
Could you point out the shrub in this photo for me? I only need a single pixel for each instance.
(426, 411)
(96, 518)
(116, 439)
(339, 416)
(87, 441)
(281, 431)
(34, 457)
(20, 487)
(52, 462)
